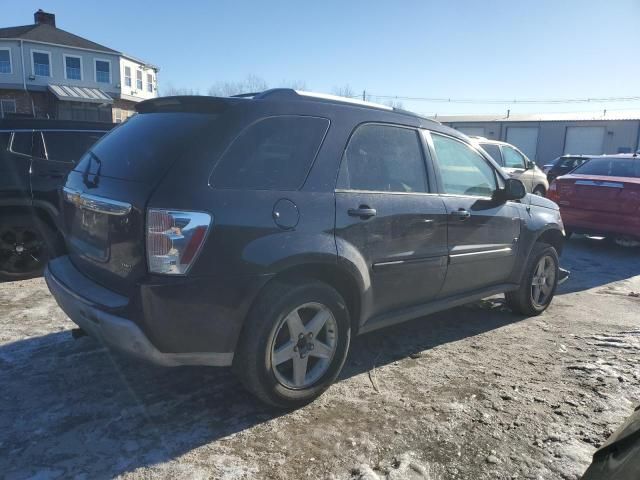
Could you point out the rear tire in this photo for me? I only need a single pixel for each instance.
(294, 342)
(539, 282)
(26, 244)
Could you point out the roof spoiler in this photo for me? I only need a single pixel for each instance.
(187, 103)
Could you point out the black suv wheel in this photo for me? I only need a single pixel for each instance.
(23, 247)
(294, 343)
(539, 282)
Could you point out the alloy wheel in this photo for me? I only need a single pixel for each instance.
(543, 281)
(303, 345)
(22, 251)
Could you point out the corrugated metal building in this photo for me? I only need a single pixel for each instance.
(544, 137)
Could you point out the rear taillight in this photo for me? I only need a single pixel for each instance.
(174, 239)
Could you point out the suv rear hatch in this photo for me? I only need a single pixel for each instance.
(105, 196)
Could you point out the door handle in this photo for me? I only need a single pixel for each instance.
(461, 214)
(363, 211)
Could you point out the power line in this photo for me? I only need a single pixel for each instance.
(547, 101)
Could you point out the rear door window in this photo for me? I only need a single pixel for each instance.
(69, 146)
(493, 150)
(274, 153)
(383, 158)
(22, 143)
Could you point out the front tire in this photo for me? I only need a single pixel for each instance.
(539, 282)
(294, 343)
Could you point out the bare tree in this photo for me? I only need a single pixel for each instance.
(251, 84)
(344, 91)
(170, 91)
(294, 84)
(393, 103)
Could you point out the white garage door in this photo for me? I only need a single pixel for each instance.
(584, 140)
(472, 131)
(525, 138)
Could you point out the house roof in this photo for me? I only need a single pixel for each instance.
(49, 34)
(543, 117)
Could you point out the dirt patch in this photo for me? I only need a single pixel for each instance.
(474, 392)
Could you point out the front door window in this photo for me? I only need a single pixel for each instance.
(463, 170)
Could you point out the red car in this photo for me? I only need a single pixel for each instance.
(601, 197)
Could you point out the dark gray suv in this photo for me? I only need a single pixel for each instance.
(264, 232)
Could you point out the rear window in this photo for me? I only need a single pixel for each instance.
(142, 148)
(572, 162)
(610, 167)
(274, 153)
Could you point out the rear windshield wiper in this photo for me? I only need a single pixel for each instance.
(85, 175)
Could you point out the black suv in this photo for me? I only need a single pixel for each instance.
(563, 165)
(35, 157)
(264, 232)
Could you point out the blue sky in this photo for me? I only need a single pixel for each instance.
(446, 49)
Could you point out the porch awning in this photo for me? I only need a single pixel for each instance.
(69, 93)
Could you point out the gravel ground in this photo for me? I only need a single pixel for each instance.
(474, 392)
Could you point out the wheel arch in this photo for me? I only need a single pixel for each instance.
(330, 273)
(553, 237)
(540, 186)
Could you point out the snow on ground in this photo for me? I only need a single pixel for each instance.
(474, 392)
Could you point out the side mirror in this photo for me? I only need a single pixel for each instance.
(513, 190)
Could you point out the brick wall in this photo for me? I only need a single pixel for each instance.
(23, 104)
(43, 103)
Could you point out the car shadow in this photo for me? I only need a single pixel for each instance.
(71, 406)
(594, 262)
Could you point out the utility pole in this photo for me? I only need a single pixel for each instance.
(364, 95)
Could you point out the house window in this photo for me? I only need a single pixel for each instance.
(73, 67)
(41, 63)
(117, 114)
(103, 71)
(5, 60)
(149, 82)
(7, 106)
(139, 79)
(127, 76)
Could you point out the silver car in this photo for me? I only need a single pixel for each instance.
(516, 164)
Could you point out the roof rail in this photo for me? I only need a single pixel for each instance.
(291, 94)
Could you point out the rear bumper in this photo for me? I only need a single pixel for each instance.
(587, 221)
(76, 295)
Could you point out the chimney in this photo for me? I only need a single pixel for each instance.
(44, 18)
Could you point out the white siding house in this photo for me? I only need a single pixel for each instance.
(48, 72)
